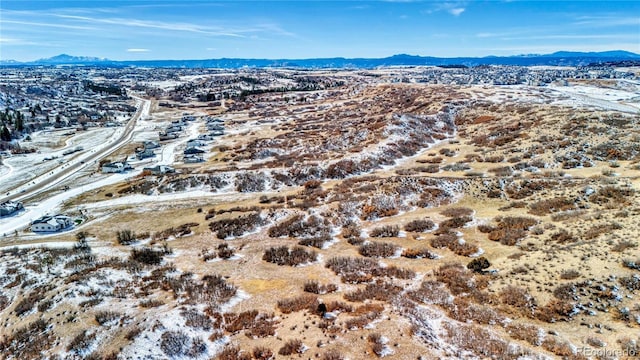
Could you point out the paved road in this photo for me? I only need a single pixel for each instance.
(80, 164)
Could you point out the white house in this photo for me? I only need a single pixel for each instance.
(10, 207)
(51, 223)
(192, 159)
(195, 143)
(115, 167)
(151, 145)
(166, 136)
(205, 137)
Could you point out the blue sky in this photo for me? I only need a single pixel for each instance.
(174, 29)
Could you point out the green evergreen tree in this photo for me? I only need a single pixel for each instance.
(5, 134)
(19, 123)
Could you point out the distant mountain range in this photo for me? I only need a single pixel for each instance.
(561, 58)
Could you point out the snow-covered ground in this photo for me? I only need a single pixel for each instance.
(29, 167)
(138, 199)
(606, 98)
(90, 142)
(168, 155)
(52, 204)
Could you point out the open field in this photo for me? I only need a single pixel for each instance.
(352, 216)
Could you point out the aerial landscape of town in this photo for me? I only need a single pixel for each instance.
(399, 207)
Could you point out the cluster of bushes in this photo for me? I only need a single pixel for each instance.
(378, 344)
(333, 354)
(419, 225)
(27, 302)
(548, 206)
(254, 324)
(628, 263)
(378, 249)
(317, 242)
(140, 187)
(106, 317)
(419, 254)
(459, 279)
(250, 182)
(380, 205)
(430, 160)
(28, 342)
(210, 214)
(178, 344)
(223, 251)
(126, 237)
(599, 229)
(212, 289)
(195, 319)
(431, 292)
(430, 169)
(385, 231)
(302, 302)
(478, 265)
(519, 299)
(479, 341)
(529, 333)
(450, 241)
(367, 313)
(380, 290)
(282, 255)
(464, 310)
(262, 353)
(562, 307)
(313, 231)
(555, 310)
(182, 230)
(563, 236)
(456, 222)
(351, 231)
(631, 282)
(81, 342)
(147, 255)
(509, 230)
(314, 287)
(226, 228)
(301, 227)
(361, 270)
(294, 346)
(518, 190)
(613, 194)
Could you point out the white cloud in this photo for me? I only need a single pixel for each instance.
(137, 50)
(456, 11)
(38, 24)
(454, 8)
(213, 30)
(607, 21)
(574, 37)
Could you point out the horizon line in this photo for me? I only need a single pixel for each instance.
(96, 58)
